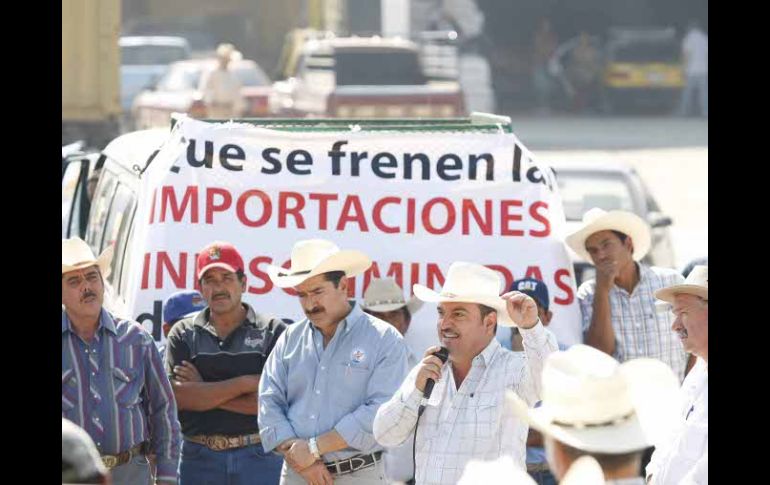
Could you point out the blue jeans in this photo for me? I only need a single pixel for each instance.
(543, 478)
(200, 465)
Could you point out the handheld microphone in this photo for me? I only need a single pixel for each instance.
(443, 354)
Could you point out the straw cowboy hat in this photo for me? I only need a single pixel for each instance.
(76, 254)
(470, 283)
(594, 404)
(597, 219)
(312, 257)
(697, 283)
(384, 295)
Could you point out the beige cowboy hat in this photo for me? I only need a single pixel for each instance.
(384, 295)
(76, 254)
(697, 283)
(470, 283)
(312, 257)
(594, 404)
(597, 219)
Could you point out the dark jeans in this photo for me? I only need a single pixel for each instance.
(248, 465)
(543, 478)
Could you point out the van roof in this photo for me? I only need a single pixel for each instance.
(135, 148)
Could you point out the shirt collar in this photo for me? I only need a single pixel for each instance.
(203, 316)
(486, 355)
(105, 321)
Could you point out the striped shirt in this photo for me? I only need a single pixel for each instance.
(116, 389)
(642, 329)
(472, 422)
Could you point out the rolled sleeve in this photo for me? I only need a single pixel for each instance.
(539, 343)
(396, 419)
(357, 427)
(274, 427)
(165, 433)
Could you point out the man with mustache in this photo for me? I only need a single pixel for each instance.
(683, 457)
(328, 373)
(464, 417)
(214, 360)
(113, 384)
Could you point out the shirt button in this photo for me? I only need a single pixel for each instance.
(312, 416)
(93, 373)
(323, 367)
(317, 391)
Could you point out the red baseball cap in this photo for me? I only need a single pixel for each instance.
(219, 254)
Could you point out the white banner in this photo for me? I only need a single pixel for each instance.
(414, 202)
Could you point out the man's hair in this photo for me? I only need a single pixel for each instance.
(335, 277)
(80, 462)
(239, 273)
(407, 315)
(608, 461)
(621, 236)
(486, 310)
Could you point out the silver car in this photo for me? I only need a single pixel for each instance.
(611, 186)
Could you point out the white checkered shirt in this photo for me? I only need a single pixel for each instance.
(642, 329)
(471, 422)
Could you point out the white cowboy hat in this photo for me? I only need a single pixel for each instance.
(470, 283)
(597, 219)
(384, 295)
(312, 257)
(594, 404)
(76, 254)
(697, 283)
(502, 471)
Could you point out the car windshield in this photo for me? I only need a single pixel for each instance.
(581, 191)
(142, 55)
(396, 67)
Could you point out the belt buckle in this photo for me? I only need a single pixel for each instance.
(110, 461)
(353, 467)
(216, 442)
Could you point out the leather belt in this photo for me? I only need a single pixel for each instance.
(353, 464)
(219, 442)
(111, 461)
(538, 467)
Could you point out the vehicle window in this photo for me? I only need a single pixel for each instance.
(142, 55)
(70, 183)
(396, 67)
(251, 76)
(180, 79)
(103, 195)
(120, 211)
(581, 192)
(647, 52)
(122, 246)
(127, 256)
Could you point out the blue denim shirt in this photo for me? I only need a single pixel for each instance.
(306, 390)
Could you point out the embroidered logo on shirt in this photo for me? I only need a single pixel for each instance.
(357, 356)
(252, 342)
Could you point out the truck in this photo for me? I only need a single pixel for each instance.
(327, 76)
(90, 109)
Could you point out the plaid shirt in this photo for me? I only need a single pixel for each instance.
(471, 422)
(642, 329)
(116, 389)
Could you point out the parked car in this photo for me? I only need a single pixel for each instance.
(611, 186)
(144, 60)
(181, 90)
(360, 77)
(642, 68)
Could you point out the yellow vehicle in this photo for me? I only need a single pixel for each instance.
(643, 68)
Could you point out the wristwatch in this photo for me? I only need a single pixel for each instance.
(312, 443)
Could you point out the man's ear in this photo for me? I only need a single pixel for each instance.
(490, 321)
(629, 243)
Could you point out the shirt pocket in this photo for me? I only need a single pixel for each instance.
(69, 390)
(127, 386)
(350, 389)
(485, 416)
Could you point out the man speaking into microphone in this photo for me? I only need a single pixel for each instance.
(465, 417)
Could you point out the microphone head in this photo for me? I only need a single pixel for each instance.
(443, 354)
